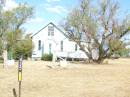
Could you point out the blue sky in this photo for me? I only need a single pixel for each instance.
(46, 11)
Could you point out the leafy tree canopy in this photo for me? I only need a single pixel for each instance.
(97, 27)
(11, 30)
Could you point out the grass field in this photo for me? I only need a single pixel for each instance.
(78, 80)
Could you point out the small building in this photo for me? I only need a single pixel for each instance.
(52, 40)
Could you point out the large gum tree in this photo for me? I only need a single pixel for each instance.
(97, 28)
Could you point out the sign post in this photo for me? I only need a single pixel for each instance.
(20, 75)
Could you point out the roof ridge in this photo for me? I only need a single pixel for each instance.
(46, 26)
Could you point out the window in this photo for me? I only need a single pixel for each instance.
(50, 46)
(50, 31)
(61, 45)
(76, 47)
(39, 45)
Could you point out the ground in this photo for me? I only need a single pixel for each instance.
(78, 80)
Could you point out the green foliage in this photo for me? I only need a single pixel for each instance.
(12, 32)
(1, 47)
(47, 57)
(124, 52)
(1, 59)
(23, 47)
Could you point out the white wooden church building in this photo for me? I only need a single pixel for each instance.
(52, 40)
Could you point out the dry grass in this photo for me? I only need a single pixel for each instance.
(111, 80)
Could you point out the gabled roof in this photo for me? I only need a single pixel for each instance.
(46, 26)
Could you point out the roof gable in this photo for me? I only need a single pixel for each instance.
(47, 26)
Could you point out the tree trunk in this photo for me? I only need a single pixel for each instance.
(99, 61)
(5, 58)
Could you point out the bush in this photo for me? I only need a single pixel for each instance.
(47, 57)
(1, 59)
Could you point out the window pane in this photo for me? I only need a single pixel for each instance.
(50, 31)
(76, 47)
(39, 45)
(61, 45)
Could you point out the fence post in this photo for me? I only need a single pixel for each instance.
(20, 75)
(14, 92)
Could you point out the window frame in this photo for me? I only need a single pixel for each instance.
(61, 46)
(76, 47)
(50, 30)
(39, 44)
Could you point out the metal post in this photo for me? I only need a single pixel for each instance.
(19, 88)
(20, 74)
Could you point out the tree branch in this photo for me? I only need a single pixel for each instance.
(124, 32)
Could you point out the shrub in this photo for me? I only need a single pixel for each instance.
(47, 57)
(1, 59)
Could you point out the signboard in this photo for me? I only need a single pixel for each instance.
(20, 70)
(20, 76)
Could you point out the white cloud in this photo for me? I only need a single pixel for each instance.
(36, 20)
(10, 4)
(52, 0)
(56, 9)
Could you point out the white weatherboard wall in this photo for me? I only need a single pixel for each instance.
(55, 41)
